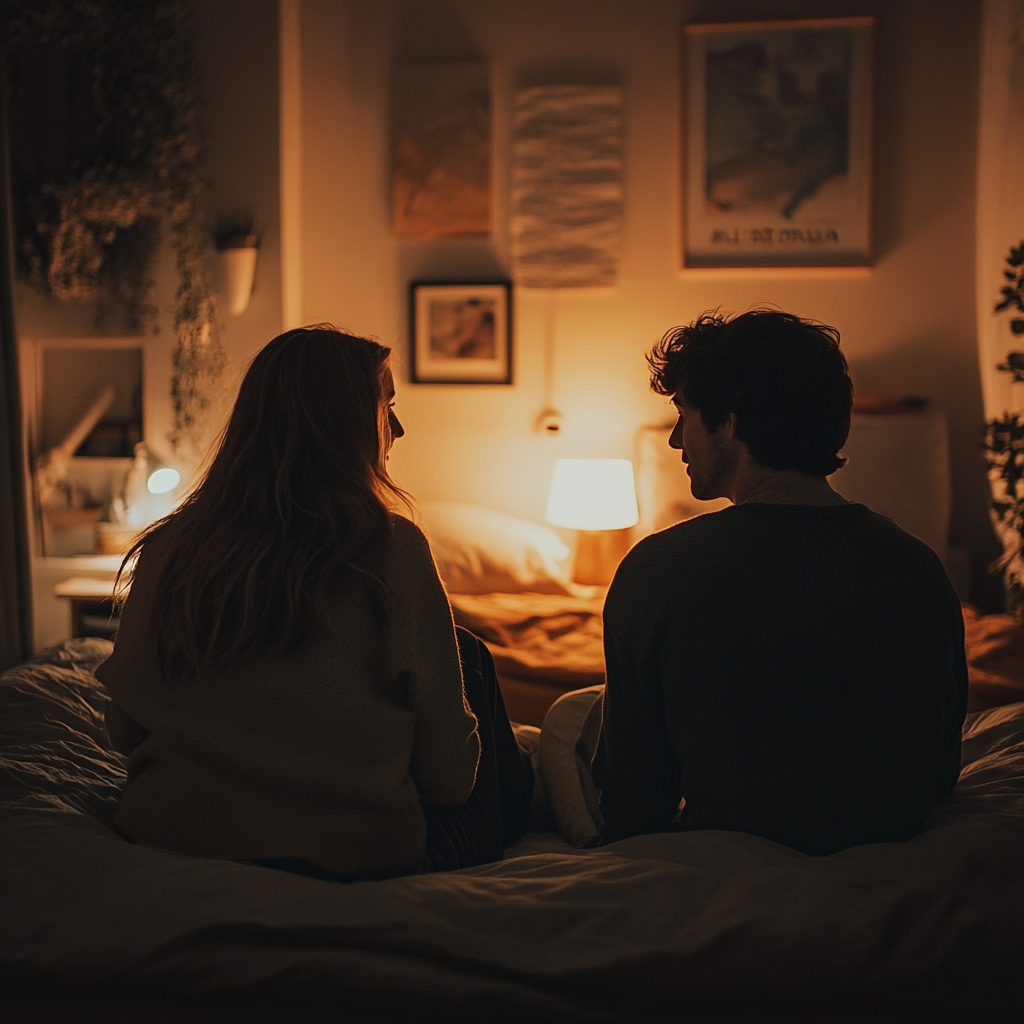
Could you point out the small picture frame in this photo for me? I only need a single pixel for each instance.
(460, 332)
(777, 130)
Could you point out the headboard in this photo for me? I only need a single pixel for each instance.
(898, 466)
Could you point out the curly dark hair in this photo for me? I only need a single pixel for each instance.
(783, 378)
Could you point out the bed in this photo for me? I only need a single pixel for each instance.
(711, 926)
(688, 927)
(509, 581)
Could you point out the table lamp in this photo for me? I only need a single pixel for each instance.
(598, 498)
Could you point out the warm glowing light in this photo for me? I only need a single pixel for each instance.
(593, 494)
(163, 480)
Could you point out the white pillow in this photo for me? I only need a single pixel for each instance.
(480, 551)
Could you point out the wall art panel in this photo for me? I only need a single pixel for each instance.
(567, 194)
(441, 149)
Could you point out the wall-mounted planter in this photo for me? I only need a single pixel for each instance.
(238, 269)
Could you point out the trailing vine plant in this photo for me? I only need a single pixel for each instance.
(1004, 445)
(106, 146)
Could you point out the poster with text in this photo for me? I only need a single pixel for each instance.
(777, 143)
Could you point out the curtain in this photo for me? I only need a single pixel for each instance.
(1000, 226)
(15, 580)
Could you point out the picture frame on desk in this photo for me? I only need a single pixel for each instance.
(777, 143)
(460, 332)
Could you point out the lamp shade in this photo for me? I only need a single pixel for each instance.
(593, 494)
(162, 480)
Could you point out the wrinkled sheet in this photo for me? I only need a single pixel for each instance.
(638, 930)
(547, 637)
(995, 659)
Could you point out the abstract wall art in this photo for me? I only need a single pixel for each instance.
(777, 143)
(566, 186)
(441, 150)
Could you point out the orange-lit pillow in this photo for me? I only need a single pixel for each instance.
(480, 551)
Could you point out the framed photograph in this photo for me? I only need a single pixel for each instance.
(777, 124)
(460, 333)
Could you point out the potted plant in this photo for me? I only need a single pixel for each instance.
(1004, 446)
(94, 194)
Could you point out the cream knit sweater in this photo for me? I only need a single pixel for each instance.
(323, 755)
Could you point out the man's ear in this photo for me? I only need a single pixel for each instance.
(730, 425)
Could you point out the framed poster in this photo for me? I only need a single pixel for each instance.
(460, 332)
(777, 124)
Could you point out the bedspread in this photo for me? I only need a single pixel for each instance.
(995, 659)
(645, 929)
(538, 636)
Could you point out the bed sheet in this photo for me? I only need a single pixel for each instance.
(539, 636)
(644, 929)
(543, 644)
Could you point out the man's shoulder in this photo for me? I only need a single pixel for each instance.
(690, 532)
(673, 549)
(752, 533)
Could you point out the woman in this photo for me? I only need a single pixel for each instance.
(286, 680)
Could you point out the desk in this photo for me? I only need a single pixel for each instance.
(92, 606)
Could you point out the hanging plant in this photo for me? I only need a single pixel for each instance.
(1004, 447)
(106, 147)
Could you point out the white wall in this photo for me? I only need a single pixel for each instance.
(908, 325)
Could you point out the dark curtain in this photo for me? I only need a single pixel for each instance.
(15, 579)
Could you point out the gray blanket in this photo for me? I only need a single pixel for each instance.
(655, 927)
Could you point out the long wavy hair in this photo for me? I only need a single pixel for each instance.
(296, 498)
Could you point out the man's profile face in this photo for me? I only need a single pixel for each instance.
(710, 456)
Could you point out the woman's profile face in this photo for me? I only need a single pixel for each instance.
(395, 427)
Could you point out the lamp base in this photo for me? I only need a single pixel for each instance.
(598, 554)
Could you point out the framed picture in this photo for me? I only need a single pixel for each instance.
(777, 123)
(460, 333)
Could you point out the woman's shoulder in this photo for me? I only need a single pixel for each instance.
(409, 560)
(405, 531)
(408, 544)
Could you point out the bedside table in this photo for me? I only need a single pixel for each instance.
(92, 606)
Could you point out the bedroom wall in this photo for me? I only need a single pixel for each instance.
(908, 325)
(238, 48)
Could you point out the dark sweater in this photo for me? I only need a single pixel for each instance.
(792, 671)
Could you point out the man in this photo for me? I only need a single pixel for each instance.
(792, 666)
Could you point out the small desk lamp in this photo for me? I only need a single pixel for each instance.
(598, 498)
(148, 489)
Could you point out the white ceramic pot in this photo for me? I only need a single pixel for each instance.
(239, 270)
